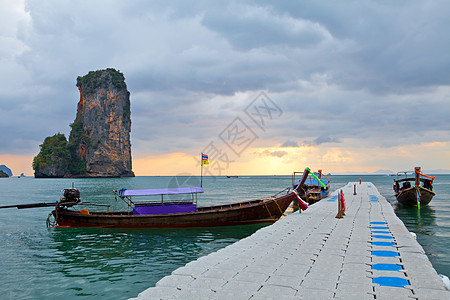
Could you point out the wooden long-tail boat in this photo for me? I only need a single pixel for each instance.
(315, 187)
(419, 194)
(171, 213)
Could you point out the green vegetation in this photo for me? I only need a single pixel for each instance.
(78, 140)
(95, 79)
(78, 166)
(53, 150)
(66, 155)
(77, 135)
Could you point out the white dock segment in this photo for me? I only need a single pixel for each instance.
(313, 255)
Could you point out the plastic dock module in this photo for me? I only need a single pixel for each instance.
(367, 254)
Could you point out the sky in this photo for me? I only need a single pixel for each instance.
(262, 87)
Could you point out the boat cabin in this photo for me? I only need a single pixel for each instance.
(403, 180)
(313, 180)
(160, 201)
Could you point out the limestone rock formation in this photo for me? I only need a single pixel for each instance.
(99, 143)
(104, 114)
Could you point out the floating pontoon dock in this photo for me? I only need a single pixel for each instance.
(368, 254)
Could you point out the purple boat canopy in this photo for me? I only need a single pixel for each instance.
(155, 192)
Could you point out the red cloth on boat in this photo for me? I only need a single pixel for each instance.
(302, 205)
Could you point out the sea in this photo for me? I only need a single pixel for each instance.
(37, 262)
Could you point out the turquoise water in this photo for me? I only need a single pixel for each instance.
(87, 263)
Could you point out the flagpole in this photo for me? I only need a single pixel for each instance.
(201, 170)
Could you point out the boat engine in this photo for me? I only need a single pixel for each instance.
(70, 197)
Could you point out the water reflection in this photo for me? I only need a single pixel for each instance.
(422, 221)
(135, 258)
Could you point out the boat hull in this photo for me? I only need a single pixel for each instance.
(409, 196)
(251, 212)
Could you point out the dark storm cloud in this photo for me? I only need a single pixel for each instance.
(262, 27)
(391, 47)
(350, 69)
(321, 140)
(375, 121)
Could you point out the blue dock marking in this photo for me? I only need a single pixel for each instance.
(387, 267)
(379, 227)
(386, 237)
(391, 281)
(373, 198)
(381, 231)
(384, 244)
(378, 223)
(384, 253)
(333, 199)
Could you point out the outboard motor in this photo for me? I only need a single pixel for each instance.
(70, 197)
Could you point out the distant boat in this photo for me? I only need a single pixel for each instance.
(419, 194)
(315, 188)
(232, 176)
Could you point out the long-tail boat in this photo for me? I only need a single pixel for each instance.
(419, 194)
(166, 211)
(176, 213)
(315, 188)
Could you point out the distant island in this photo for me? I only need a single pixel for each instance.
(99, 142)
(3, 174)
(7, 171)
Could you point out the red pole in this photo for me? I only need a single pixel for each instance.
(342, 203)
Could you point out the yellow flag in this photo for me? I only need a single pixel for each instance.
(205, 159)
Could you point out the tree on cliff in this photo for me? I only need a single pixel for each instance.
(58, 158)
(54, 158)
(78, 137)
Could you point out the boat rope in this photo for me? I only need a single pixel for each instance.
(431, 177)
(326, 177)
(265, 204)
(276, 202)
(278, 205)
(418, 190)
(418, 198)
(53, 223)
(50, 222)
(286, 189)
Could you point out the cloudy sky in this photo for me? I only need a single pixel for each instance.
(263, 87)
